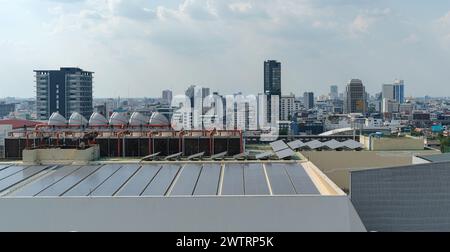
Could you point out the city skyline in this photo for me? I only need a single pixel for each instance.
(138, 48)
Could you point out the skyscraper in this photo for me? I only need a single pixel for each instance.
(65, 91)
(167, 96)
(308, 99)
(388, 92)
(272, 84)
(399, 91)
(272, 77)
(334, 92)
(355, 97)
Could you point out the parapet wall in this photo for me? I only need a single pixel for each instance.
(61, 156)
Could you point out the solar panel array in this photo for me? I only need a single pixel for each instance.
(282, 150)
(165, 179)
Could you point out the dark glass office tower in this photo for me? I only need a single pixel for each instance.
(272, 83)
(65, 91)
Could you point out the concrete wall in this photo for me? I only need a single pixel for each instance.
(61, 156)
(410, 198)
(338, 164)
(181, 214)
(393, 143)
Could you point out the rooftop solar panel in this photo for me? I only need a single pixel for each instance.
(285, 154)
(208, 182)
(195, 156)
(18, 177)
(219, 156)
(296, 144)
(301, 180)
(255, 182)
(90, 183)
(233, 180)
(116, 181)
(187, 180)
(162, 181)
(174, 156)
(265, 155)
(315, 144)
(141, 179)
(279, 145)
(62, 186)
(39, 185)
(279, 180)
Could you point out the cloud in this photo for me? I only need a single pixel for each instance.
(363, 21)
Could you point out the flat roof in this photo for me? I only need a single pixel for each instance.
(161, 179)
(436, 158)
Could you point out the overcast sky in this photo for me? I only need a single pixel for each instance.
(139, 47)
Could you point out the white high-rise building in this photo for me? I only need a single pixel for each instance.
(287, 107)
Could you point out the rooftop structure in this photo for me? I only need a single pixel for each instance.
(173, 196)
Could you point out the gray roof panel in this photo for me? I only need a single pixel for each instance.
(34, 188)
(208, 182)
(90, 183)
(18, 177)
(255, 182)
(301, 180)
(139, 182)
(233, 180)
(187, 180)
(116, 181)
(279, 180)
(10, 171)
(68, 182)
(162, 181)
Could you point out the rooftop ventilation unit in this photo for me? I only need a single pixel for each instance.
(118, 119)
(159, 119)
(77, 120)
(57, 120)
(98, 120)
(137, 119)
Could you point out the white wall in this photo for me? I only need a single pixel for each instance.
(180, 214)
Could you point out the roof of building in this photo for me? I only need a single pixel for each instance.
(160, 179)
(18, 123)
(436, 158)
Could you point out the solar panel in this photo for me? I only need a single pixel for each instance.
(265, 155)
(219, 156)
(187, 180)
(39, 185)
(18, 177)
(285, 154)
(279, 145)
(279, 180)
(116, 181)
(174, 156)
(162, 181)
(151, 157)
(255, 182)
(233, 180)
(68, 182)
(196, 156)
(301, 180)
(296, 144)
(90, 183)
(241, 156)
(208, 182)
(315, 144)
(139, 182)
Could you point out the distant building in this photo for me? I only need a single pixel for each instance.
(388, 92)
(65, 91)
(399, 91)
(6, 109)
(287, 107)
(334, 92)
(308, 99)
(272, 83)
(355, 98)
(167, 96)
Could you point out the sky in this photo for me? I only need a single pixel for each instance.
(137, 48)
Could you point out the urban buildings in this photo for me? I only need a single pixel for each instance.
(6, 109)
(167, 96)
(65, 91)
(334, 92)
(308, 100)
(287, 107)
(355, 98)
(272, 84)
